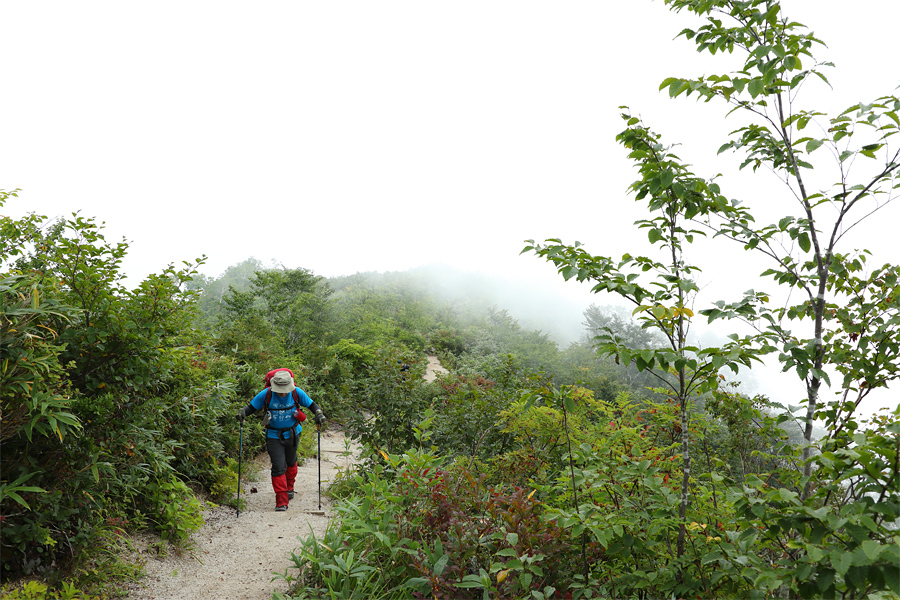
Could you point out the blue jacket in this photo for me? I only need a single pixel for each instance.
(282, 409)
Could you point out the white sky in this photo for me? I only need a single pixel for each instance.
(352, 136)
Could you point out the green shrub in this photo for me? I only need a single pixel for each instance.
(35, 590)
(468, 417)
(225, 485)
(416, 526)
(394, 400)
(108, 393)
(61, 518)
(448, 341)
(173, 510)
(307, 443)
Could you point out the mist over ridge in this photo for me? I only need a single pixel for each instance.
(535, 305)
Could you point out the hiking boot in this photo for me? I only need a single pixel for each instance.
(281, 508)
(290, 494)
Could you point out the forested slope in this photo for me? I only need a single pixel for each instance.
(624, 466)
(118, 401)
(523, 469)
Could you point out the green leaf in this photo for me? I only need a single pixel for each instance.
(666, 179)
(813, 144)
(788, 496)
(803, 240)
(803, 571)
(756, 87)
(17, 498)
(675, 87)
(872, 549)
(860, 558)
(525, 580)
(441, 564)
(841, 561)
(892, 577)
(420, 584)
(668, 81)
(825, 579)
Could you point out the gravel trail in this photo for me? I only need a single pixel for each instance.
(235, 558)
(433, 368)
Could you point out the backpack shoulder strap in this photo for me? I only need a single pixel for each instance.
(295, 394)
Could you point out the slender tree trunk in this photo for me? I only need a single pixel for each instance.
(812, 388)
(823, 267)
(685, 480)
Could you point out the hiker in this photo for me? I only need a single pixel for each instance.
(282, 401)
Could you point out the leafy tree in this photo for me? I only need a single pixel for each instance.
(214, 289)
(662, 302)
(101, 385)
(632, 333)
(375, 308)
(296, 304)
(392, 401)
(803, 245)
(119, 336)
(850, 314)
(618, 319)
(285, 317)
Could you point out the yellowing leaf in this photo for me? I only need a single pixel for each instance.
(501, 576)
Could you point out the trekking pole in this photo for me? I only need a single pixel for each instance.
(319, 454)
(240, 460)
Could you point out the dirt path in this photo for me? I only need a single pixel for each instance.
(433, 368)
(237, 556)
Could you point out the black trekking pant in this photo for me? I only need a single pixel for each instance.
(281, 454)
